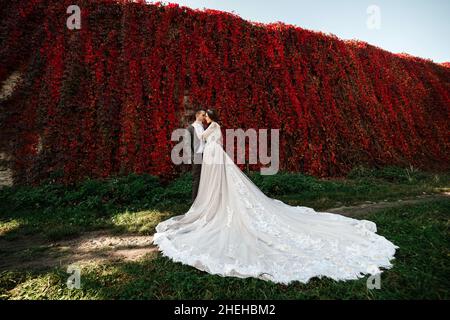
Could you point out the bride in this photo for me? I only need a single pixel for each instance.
(233, 229)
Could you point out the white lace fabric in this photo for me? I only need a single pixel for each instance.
(234, 229)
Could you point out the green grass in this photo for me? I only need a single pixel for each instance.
(420, 272)
(137, 203)
(57, 211)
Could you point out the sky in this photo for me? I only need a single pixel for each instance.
(418, 27)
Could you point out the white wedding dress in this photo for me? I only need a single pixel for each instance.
(233, 229)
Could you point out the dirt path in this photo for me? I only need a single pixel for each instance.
(34, 252)
(370, 207)
(98, 246)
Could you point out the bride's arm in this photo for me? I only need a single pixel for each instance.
(210, 130)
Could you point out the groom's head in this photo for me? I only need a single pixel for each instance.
(200, 115)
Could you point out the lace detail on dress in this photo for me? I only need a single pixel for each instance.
(256, 210)
(229, 216)
(231, 249)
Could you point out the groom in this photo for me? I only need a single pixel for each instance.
(197, 144)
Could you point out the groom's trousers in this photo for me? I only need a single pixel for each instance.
(196, 170)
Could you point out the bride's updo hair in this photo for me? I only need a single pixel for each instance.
(213, 115)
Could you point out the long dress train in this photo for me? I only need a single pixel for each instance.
(234, 229)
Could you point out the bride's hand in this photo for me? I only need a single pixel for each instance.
(212, 126)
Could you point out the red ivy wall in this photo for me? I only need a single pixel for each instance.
(104, 100)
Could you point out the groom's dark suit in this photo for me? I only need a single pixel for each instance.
(196, 160)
